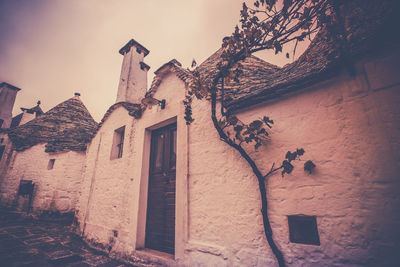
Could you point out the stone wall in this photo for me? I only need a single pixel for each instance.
(112, 206)
(103, 201)
(8, 93)
(349, 126)
(55, 189)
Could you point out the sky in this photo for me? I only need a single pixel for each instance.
(54, 48)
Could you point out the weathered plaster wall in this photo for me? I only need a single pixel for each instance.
(103, 200)
(133, 80)
(7, 99)
(112, 206)
(55, 189)
(27, 117)
(5, 159)
(350, 127)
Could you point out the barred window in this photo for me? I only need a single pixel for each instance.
(118, 143)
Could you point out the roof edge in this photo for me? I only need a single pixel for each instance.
(131, 43)
(10, 86)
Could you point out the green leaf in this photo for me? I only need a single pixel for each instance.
(300, 151)
(257, 145)
(232, 120)
(238, 128)
(267, 120)
(309, 166)
(255, 125)
(263, 131)
(291, 156)
(287, 167)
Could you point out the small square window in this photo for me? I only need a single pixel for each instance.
(118, 143)
(51, 164)
(2, 148)
(303, 229)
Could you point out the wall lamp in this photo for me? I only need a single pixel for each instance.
(150, 101)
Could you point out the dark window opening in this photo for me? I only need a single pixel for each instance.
(118, 143)
(1, 140)
(303, 229)
(51, 164)
(2, 148)
(1, 122)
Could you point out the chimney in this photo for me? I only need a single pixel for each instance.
(8, 93)
(133, 80)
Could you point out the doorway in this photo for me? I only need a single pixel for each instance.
(160, 222)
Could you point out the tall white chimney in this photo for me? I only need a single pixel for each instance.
(8, 93)
(133, 80)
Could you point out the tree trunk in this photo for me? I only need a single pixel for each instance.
(261, 181)
(267, 226)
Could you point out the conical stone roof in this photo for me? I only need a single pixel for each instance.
(67, 126)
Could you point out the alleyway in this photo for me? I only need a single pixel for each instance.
(28, 242)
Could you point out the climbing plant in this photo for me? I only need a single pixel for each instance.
(269, 24)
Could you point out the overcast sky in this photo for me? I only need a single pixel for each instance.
(53, 48)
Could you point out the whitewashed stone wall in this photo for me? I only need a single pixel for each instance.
(103, 201)
(112, 206)
(56, 189)
(349, 126)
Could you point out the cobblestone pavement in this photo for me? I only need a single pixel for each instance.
(30, 242)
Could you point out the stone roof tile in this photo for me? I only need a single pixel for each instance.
(134, 110)
(67, 126)
(369, 24)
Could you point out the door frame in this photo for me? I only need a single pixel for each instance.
(159, 182)
(181, 197)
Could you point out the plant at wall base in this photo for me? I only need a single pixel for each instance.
(269, 25)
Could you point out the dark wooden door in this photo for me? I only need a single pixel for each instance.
(160, 224)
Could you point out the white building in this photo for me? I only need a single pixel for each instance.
(48, 150)
(156, 191)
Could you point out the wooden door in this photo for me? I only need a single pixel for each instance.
(160, 224)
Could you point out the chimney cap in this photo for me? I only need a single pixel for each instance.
(77, 94)
(10, 86)
(144, 66)
(131, 43)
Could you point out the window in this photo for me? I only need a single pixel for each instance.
(118, 143)
(2, 151)
(1, 122)
(51, 164)
(1, 140)
(303, 229)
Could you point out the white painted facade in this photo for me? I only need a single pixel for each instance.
(114, 191)
(55, 189)
(133, 79)
(8, 93)
(349, 126)
(26, 117)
